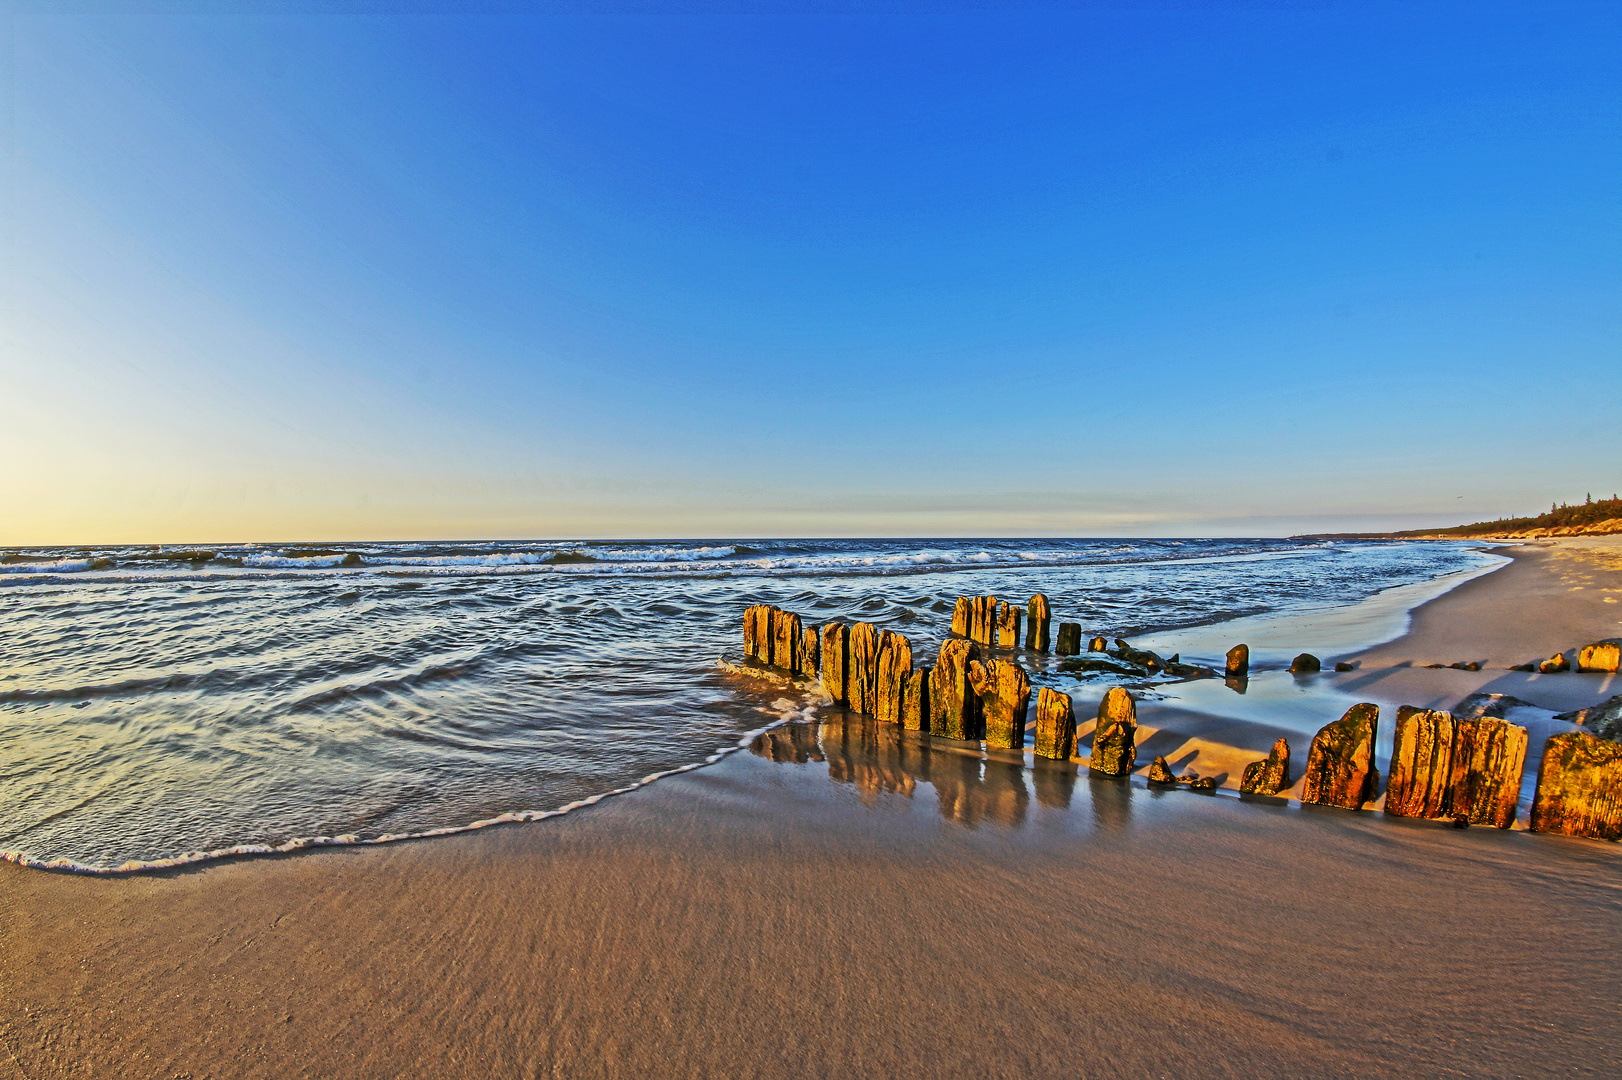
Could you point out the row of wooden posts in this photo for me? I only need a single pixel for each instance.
(1466, 770)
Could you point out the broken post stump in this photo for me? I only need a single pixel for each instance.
(1008, 619)
(1270, 775)
(1555, 664)
(962, 614)
(1340, 764)
(1305, 664)
(1579, 790)
(983, 620)
(1160, 772)
(1055, 725)
(894, 669)
(1005, 695)
(836, 662)
(954, 708)
(1097, 644)
(1238, 662)
(1036, 623)
(1115, 738)
(1069, 642)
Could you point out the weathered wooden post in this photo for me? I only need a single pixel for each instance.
(1115, 747)
(786, 637)
(862, 683)
(1005, 695)
(1238, 662)
(757, 632)
(962, 616)
(809, 661)
(954, 709)
(1008, 617)
(1579, 790)
(1489, 755)
(1421, 764)
(1269, 776)
(1098, 644)
(983, 620)
(1069, 642)
(1340, 764)
(836, 662)
(1055, 725)
(1036, 624)
(894, 669)
(915, 705)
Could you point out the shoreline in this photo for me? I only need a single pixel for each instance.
(873, 903)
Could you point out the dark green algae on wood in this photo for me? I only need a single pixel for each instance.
(1340, 765)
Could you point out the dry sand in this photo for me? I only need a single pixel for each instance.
(874, 904)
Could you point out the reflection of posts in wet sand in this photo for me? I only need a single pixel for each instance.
(868, 756)
(972, 790)
(1111, 800)
(884, 759)
(793, 744)
(1054, 784)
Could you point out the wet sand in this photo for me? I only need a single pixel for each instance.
(850, 900)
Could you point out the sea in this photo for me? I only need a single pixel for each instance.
(161, 706)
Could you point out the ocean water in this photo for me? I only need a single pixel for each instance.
(163, 705)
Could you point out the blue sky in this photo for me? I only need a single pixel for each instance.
(1202, 271)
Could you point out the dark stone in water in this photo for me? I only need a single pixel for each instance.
(1344, 666)
(1160, 772)
(1238, 666)
(1305, 664)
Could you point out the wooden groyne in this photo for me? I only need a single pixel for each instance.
(1465, 770)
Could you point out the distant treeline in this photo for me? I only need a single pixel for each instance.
(1561, 516)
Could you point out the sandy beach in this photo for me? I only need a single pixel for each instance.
(849, 900)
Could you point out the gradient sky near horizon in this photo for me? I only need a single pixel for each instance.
(1110, 270)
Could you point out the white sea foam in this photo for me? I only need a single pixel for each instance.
(56, 566)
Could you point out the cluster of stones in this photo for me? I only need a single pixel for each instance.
(1600, 658)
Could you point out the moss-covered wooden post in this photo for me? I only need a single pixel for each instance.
(1069, 640)
(1036, 623)
(1579, 790)
(1055, 725)
(1340, 764)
